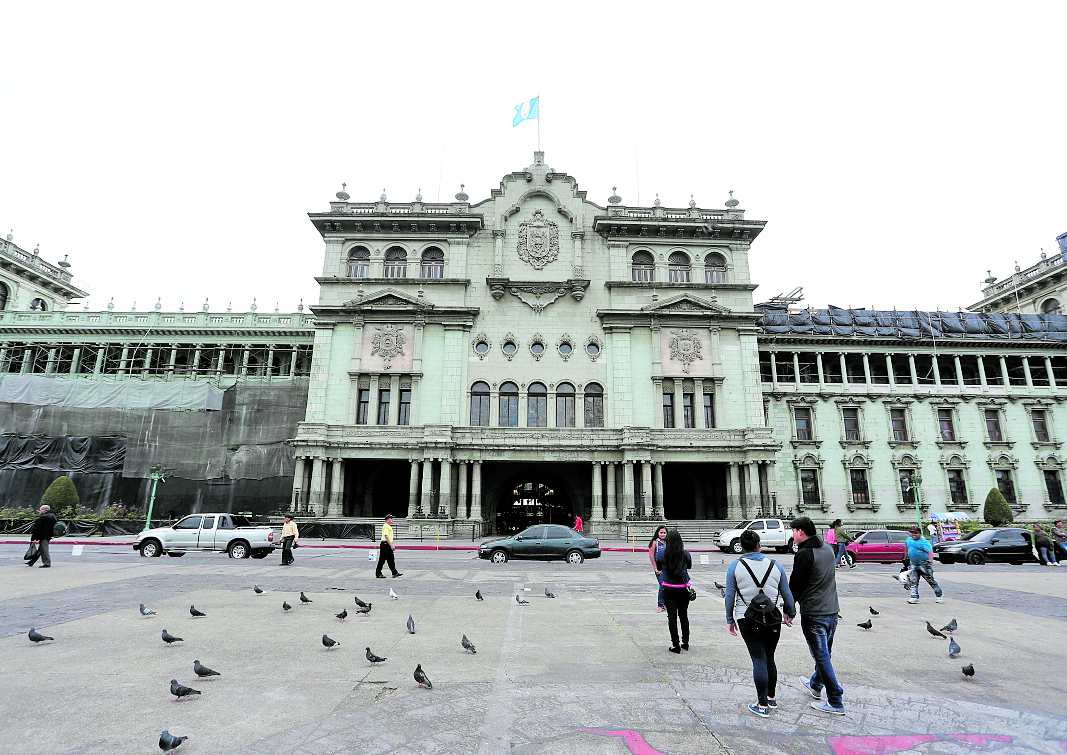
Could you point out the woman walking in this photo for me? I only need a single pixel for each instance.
(674, 564)
(761, 641)
(655, 551)
(841, 540)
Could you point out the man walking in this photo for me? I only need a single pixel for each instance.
(43, 528)
(385, 550)
(814, 585)
(290, 534)
(919, 550)
(1059, 535)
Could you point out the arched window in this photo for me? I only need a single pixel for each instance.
(1051, 307)
(509, 405)
(537, 399)
(594, 405)
(678, 268)
(359, 262)
(396, 263)
(3, 295)
(564, 405)
(38, 305)
(480, 405)
(644, 266)
(714, 268)
(433, 263)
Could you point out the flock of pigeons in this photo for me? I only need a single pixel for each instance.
(952, 626)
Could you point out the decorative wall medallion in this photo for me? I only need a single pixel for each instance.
(509, 346)
(537, 304)
(594, 347)
(537, 347)
(685, 347)
(387, 342)
(482, 345)
(538, 240)
(565, 347)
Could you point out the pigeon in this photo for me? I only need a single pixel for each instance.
(305, 599)
(520, 601)
(866, 625)
(478, 595)
(257, 589)
(361, 604)
(146, 612)
(343, 615)
(421, 678)
(873, 612)
(194, 613)
(169, 638)
(329, 643)
(467, 644)
(411, 625)
(968, 670)
(36, 636)
(719, 586)
(203, 671)
(933, 632)
(953, 648)
(168, 742)
(180, 690)
(285, 606)
(364, 610)
(373, 658)
(392, 594)
(549, 594)
(949, 627)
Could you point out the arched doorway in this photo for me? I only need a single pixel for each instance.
(522, 495)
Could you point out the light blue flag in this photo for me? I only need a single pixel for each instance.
(525, 112)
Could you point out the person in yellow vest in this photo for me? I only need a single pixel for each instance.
(290, 534)
(385, 550)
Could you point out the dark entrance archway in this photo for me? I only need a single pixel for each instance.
(519, 495)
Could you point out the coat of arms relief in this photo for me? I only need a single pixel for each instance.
(685, 347)
(388, 342)
(538, 240)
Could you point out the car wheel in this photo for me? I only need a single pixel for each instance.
(151, 549)
(172, 554)
(239, 549)
(977, 558)
(261, 553)
(499, 556)
(792, 547)
(575, 557)
(735, 546)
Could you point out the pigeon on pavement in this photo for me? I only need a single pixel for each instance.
(168, 742)
(146, 612)
(421, 678)
(873, 612)
(949, 627)
(169, 638)
(373, 658)
(194, 613)
(360, 603)
(953, 648)
(933, 632)
(478, 595)
(411, 625)
(285, 606)
(329, 643)
(467, 644)
(968, 670)
(866, 625)
(36, 636)
(392, 594)
(549, 594)
(304, 598)
(257, 590)
(520, 601)
(343, 615)
(180, 690)
(203, 671)
(365, 609)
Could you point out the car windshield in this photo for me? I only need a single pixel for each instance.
(979, 535)
(742, 525)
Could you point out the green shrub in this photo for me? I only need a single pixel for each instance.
(62, 498)
(997, 511)
(18, 512)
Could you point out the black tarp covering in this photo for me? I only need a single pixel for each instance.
(62, 454)
(335, 530)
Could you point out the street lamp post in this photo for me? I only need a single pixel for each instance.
(155, 474)
(916, 482)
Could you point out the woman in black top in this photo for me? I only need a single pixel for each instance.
(674, 565)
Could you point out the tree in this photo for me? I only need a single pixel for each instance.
(61, 497)
(997, 511)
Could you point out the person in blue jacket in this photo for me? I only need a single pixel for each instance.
(919, 550)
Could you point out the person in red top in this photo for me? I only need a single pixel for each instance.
(577, 523)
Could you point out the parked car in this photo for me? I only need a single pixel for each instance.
(545, 542)
(231, 533)
(1002, 544)
(773, 533)
(878, 546)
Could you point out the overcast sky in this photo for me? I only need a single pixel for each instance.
(897, 151)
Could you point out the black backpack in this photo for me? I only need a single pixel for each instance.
(762, 611)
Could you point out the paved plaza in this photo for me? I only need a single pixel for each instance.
(588, 672)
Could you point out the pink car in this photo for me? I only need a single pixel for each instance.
(880, 546)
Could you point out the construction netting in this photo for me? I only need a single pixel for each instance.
(40, 390)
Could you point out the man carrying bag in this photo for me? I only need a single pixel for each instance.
(43, 529)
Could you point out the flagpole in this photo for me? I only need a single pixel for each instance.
(538, 121)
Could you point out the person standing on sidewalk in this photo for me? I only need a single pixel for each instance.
(385, 550)
(290, 534)
(814, 585)
(43, 528)
(674, 563)
(919, 550)
(1046, 551)
(655, 553)
(1059, 535)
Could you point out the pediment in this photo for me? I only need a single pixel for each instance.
(387, 297)
(686, 303)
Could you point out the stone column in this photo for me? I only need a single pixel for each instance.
(889, 369)
(774, 371)
(597, 513)
(698, 403)
(718, 412)
(1026, 373)
(413, 487)
(648, 500)
(336, 506)
(461, 492)
(981, 374)
(1004, 379)
(444, 498)
(818, 366)
(476, 491)
(318, 486)
(414, 419)
(911, 367)
(1050, 373)
(298, 484)
(613, 510)
(124, 361)
(627, 487)
(498, 251)
(749, 499)
(657, 490)
(867, 370)
(733, 493)
(427, 493)
(657, 419)
(796, 369)
(959, 371)
(937, 370)
(772, 483)
(394, 400)
(99, 366)
(844, 373)
(576, 238)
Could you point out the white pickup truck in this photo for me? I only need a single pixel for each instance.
(773, 533)
(207, 532)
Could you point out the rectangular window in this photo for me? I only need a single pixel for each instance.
(859, 486)
(992, 425)
(809, 486)
(565, 410)
(945, 425)
(479, 410)
(907, 492)
(396, 269)
(899, 420)
(405, 409)
(668, 410)
(688, 417)
(1005, 485)
(383, 407)
(709, 411)
(538, 410)
(1055, 489)
(364, 406)
(509, 410)
(851, 417)
(678, 274)
(802, 419)
(594, 411)
(358, 268)
(957, 489)
(1040, 425)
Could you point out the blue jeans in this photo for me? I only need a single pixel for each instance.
(761, 643)
(925, 571)
(1046, 555)
(659, 596)
(840, 552)
(819, 634)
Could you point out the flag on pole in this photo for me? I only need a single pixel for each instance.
(525, 112)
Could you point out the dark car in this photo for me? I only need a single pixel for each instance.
(879, 546)
(1004, 544)
(543, 541)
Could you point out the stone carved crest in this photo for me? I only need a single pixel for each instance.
(685, 347)
(538, 240)
(387, 342)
